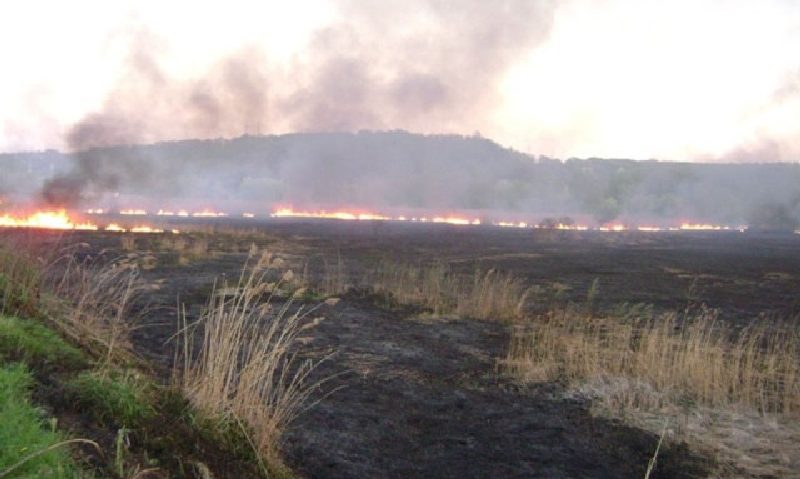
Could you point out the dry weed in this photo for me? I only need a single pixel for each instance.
(486, 295)
(246, 367)
(732, 391)
(92, 304)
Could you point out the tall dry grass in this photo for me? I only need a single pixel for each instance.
(666, 358)
(483, 295)
(90, 301)
(94, 304)
(239, 362)
(21, 274)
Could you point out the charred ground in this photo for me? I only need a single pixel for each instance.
(417, 395)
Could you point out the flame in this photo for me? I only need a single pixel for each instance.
(710, 227)
(368, 216)
(510, 224)
(61, 220)
(133, 212)
(336, 215)
(145, 229)
(56, 220)
(616, 228)
(356, 215)
(209, 214)
(650, 229)
(452, 220)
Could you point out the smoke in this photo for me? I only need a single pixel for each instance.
(440, 72)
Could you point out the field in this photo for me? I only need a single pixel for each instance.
(416, 326)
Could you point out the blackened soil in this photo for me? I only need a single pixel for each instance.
(420, 397)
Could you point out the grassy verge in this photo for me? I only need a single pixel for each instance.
(35, 344)
(25, 439)
(69, 344)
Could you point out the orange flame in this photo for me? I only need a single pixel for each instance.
(133, 212)
(60, 220)
(56, 220)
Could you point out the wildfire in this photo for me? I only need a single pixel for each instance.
(56, 220)
(61, 220)
(367, 216)
(335, 215)
(208, 214)
(510, 224)
(133, 212)
(616, 228)
(710, 227)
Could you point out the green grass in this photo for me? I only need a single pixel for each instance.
(20, 277)
(22, 432)
(35, 344)
(121, 398)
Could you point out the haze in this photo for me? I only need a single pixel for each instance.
(682, 80)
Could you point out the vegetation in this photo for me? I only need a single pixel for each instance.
(666, 358)
(731, 392)
(20, 278)
(73, 308)
(34, 343)
(486, 295)
(119, 398)
(246, 370)
(91, 304)
(29, 447)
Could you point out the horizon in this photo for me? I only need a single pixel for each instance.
(532, 155)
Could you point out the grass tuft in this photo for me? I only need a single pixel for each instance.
(119, 398)
(93, 306)
(247, 371)
(485, 295)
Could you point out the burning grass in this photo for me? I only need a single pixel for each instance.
(246, 369)
(652, 368)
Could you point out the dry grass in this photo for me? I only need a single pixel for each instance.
(20, 279)
(692, 358)
(484, 295)
(93, 305)
(732, 391)
(89, 301)
(245, 368)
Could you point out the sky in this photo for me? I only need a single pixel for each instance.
(695, 80)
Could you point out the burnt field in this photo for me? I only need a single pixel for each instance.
(415, 392)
